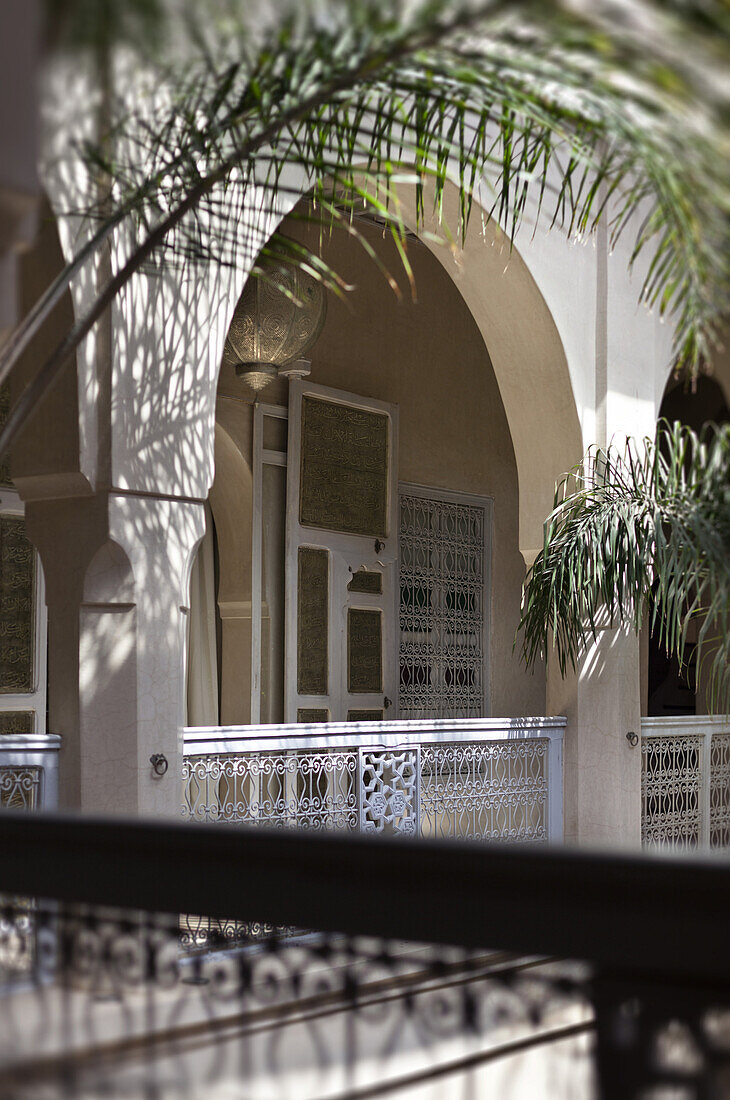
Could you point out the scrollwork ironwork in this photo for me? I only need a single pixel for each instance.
(20, 787)
(481, 790)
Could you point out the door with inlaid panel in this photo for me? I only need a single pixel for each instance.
(341, 553)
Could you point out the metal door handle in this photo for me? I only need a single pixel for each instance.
(387, 702)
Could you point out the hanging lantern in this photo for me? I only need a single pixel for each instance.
(269, 330)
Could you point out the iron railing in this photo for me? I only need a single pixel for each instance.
(101, 993)
(485, 779)
(685, 783)
(29, 771)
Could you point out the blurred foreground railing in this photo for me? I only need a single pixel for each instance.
(477, 779)
(427, 960)
(29, 771)
(685, 782)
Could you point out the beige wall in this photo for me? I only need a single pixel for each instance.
(429, 358)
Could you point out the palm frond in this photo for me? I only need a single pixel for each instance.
(527, 95)
(561, 111)
(643, 530)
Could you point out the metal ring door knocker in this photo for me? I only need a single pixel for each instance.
(158, 760)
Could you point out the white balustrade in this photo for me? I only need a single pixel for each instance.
(685, 782)
(29, 771)
(485, 779)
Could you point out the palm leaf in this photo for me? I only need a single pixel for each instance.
(643, 530)
(357, 96)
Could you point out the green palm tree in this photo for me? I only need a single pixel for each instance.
(639, 531)
(562, 107)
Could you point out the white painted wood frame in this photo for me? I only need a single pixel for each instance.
(261, 457)
(347, 554)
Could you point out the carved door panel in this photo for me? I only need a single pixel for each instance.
(22, 624)
(341, 552)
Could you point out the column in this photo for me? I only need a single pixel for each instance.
(601, 766)
(116, 570)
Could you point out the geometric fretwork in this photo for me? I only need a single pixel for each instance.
(389, 791)
(442, 582)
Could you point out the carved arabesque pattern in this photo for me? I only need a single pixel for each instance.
(442, 579)
(17, 581)
(16, 721)
(344, 468)
(389, 791)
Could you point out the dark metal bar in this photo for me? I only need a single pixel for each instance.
(657, 915)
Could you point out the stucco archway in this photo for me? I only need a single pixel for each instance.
(527, 355)
(502, 290)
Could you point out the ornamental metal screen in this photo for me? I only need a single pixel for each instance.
(685, 782)
(20, 788)
(719, 809)
(455, 785)
(29, 771)
(442, 607)
(455, 778)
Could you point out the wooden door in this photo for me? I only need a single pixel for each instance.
(341, 554)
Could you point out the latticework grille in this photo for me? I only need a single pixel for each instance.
(720, 790)
(496, 790)
(671, 783)
(442, 590)
(685, 789)
(485, 791)
(305, 789)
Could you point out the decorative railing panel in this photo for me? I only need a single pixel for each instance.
(494, 790)
(29, 771)
(685, 782)
(426, 968)
(719, 824)
(472, 779)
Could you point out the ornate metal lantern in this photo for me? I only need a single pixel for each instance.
(271, 330)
